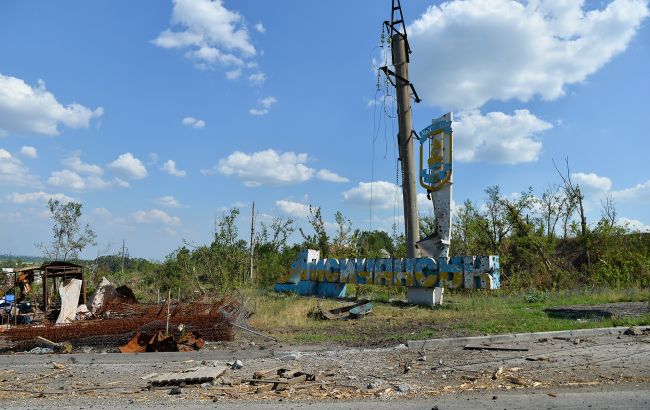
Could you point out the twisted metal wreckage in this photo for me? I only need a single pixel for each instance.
(112, 317)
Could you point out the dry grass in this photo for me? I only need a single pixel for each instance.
(294, 319)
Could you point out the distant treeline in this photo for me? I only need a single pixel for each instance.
(543, 242)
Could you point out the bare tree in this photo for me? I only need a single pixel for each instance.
(575, 196)
(70, 238)
(608, 210)
(552, 204)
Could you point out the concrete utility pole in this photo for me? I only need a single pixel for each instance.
(405, 142)
(252, 243)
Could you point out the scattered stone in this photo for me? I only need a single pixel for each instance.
(494, 397)
(40, 350)
(237, 365)
(403, 388)
(633, 331)
(444, 376)
(56, 365)
(289, 358)
(374, 385)
(205, 385)
(422, 358)
(175, 390)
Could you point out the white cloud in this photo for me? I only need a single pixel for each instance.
(233, 74)
(74, 163)
(294, 209)
(34, 110)
(382, 195)
(267, 167)
(71, 180)
(33, 197)
(633, 224)
(193, 122)
(473, 51)
(108, 217)
(266, 104)
(257, 78)
(327, 175)
(168, 201)
(29, 152)
(13, 172)
(155, 216)
(497, 137)
(129, 166)
(591, 182)
(209, 32)
(260, 27)
(638, 193)
(170, 168)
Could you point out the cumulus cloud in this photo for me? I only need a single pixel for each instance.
(35, 197)
(75, 163)
(591, 182)
(638, 193)
(34, 110)
(71, 180)
(168, 201)
(497, 137)
(327, 175)
(265, 104)
(473, 51)
(209, 33)
(155, 216)
(170, 168)
(129, 166)
(382, 195)
(107, 216)
(234, 74)
(13, 172)
(260, 27)
(633, 224)
(257, 78)
(294, 209)
(193, 122)
(29, 152)
(267, 167)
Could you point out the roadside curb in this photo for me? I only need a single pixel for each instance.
(519, 337)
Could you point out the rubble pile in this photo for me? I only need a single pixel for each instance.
(113, 317)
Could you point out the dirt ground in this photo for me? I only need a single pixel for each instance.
(388, 373)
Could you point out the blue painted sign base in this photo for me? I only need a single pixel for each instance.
(311, 288)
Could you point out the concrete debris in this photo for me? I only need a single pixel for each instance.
(40, 350)
(175, 390)
(237, 365)
(196, 375)
(633, 331)
(278, 379)
(354, 311)
(496, 347)
(289, 358)
(104, 293)
(403, 388)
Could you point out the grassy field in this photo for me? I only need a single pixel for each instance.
(294, 319)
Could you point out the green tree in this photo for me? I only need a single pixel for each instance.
(70, 237)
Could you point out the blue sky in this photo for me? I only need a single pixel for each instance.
(158, 115)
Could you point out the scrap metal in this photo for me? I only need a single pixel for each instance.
(212, 320)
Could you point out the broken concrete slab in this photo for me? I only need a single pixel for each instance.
(194, 376)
